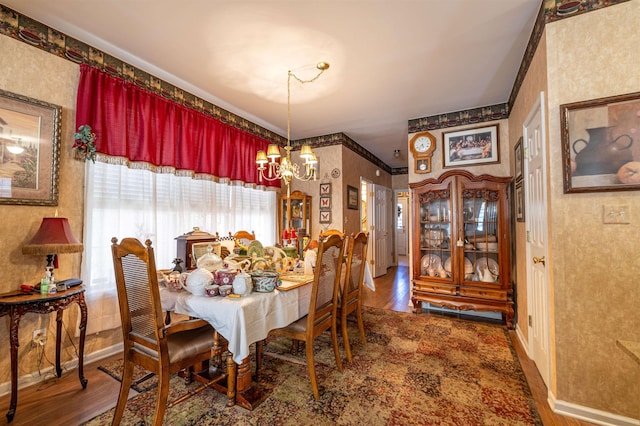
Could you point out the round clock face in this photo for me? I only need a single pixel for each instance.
(422, 144)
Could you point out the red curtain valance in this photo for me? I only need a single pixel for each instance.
(141, 126)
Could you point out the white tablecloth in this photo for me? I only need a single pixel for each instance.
(245, 320)
(248, 319)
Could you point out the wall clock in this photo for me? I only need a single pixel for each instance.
(422, 145)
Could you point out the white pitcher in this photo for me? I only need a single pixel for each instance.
(196, 281)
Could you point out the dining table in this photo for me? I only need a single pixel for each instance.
(245, 320)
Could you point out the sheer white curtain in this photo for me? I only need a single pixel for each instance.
(122, 202)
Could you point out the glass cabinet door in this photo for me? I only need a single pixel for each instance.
(435, 234)
(480, 209)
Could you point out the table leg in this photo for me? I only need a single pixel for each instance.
(243, 381)
(232, 369)
(13, 333)
(83, 333)
(241, 390)
(58, 339)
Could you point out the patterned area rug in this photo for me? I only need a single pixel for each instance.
(141, 382)
(414, 370)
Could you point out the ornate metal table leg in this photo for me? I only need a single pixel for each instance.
(58, 341)
(15, 343)
(83, 332)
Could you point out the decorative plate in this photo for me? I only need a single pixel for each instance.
(429, 260)
(468, 266)
(483, 263)
(335, 173)
(255, 247)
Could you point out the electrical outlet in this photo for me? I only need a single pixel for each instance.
(39, 337)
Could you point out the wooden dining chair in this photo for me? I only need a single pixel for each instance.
(244, 237)
(331, 232)
(351, 294)
(322, 306)
(163, 349)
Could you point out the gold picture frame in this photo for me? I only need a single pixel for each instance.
(30, 132)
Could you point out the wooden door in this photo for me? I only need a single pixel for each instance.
(382, 252)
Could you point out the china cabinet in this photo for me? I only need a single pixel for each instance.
(294, 212)
(461, 243)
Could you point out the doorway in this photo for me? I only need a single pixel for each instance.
(376, 203)
(401, 218)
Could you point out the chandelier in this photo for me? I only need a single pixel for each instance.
(270, 165)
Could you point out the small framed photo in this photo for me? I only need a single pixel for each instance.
(471, 147)
(600, 149)
(30, 133)
(325, 189)
(325, 203)
(325, 217)
(518, 154)
(519, 200)
(352, 198)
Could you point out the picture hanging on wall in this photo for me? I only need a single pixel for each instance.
(29, 150)
(471, 147)
(325, 217)
(325, 189)
(600, 144)
(518, 154)
(325, 203)
(352, 198)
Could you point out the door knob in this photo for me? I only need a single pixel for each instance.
(539, 260)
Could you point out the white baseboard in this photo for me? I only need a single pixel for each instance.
(568, 409)
(522, 340)
(589, 414)
(35, 377)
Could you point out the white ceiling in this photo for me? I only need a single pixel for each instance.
(391, 60)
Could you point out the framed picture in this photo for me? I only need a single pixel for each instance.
(470, 147)
(29, 150)
(325, 189)
(352, 198)
(325, 203)
(518, 155)
(325, 217)
(519, 199)
(600, 146)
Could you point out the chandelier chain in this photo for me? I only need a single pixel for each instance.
(289, 75)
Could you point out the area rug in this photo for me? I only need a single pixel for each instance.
(421, 369)
(140, 383)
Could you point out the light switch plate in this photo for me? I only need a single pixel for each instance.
(615, 214)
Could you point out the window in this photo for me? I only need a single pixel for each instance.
(123, 202)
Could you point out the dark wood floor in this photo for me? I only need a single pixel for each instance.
(63, 402)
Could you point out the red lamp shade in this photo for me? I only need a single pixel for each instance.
(53, 237)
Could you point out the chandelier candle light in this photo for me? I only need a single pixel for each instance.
(286, 169)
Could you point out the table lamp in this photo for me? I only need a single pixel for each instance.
(53, 237)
